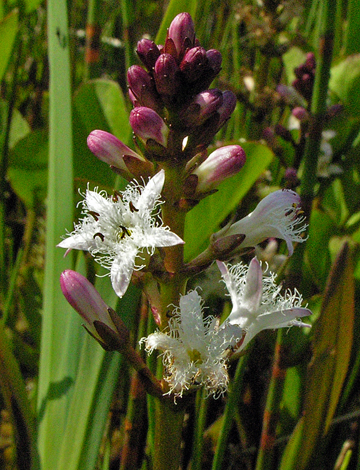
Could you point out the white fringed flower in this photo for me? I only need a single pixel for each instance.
(257, 303)
(276, 216)
(117, 229)
(194, 349)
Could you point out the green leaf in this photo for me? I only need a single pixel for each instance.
(60, 342)
(28, 168)
(8, 30)
(19, 127)
(174, 8)
(321, 229)
(333, 335)
(98, 104)
(219, 205)
(29, 185)
(352, 38)
(292, 59)
(345, 83)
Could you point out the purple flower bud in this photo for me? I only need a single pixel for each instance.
(268, 135)
(148, 52)
(219, 165)
(166, 74)
(291, 178)
(334, 110)
(194, 63)
(214, 60)
(147, 124)
(310, 62)
(86, 300)
(109, 149)
(181, 34)
(142, 87)
(202, 107)
(227, 107)
(300, 113)
(283, 132)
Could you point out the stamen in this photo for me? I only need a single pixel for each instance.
(125, 231)
(100, 235)
(94, 214)
(132, 207)
(116, 196)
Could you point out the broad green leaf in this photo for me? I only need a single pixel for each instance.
(212, 210)
(292, 59)
(98, 104)
(31, 152)
(29, 185)
(174, 8)
(333, 335)
(61, 341)
(321, 229)
(345, 83)
(8, 30)
(19, 127)
(101, 103)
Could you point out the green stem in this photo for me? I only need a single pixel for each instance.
(318, 105)
(168, 428)
(233, 400)
(201, 408)
(93, 30)
(272, 408)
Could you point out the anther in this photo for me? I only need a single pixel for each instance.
(116, 196)
(100, 235)
(132, 207)
(125, 231)
(94, 214)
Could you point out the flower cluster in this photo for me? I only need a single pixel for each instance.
(174, 119)
(175, 115)
(195, 350)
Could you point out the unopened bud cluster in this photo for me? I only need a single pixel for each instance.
(175, 115)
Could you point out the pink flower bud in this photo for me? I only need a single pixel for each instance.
(86, 300)
(300, 113)
(219, 165)
(109, 149)
(166, 74)
(147, 124)
(148, 52)
(202, 107)
(143, 88)
(181, 33)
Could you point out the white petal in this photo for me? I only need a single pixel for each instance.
(253, 287)
(121, 271)
(151, 192)
(229, 282)
(192, 323)
(78, 241)
(160, 236)
(96, 202)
